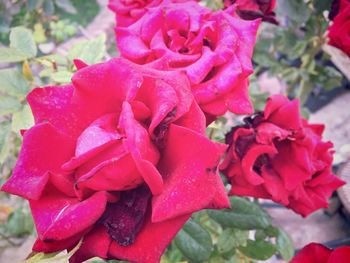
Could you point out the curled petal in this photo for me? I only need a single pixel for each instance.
(58, 217)
(141, 148)
(44, 150)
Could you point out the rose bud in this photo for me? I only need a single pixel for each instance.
(278, 155)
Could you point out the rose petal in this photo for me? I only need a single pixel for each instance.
(250, 158)
(142, 150)
(56, 246)
(44, 150)
(184, 176)
(58, 217)
(95, 244)
(150, 242)
(312, 253)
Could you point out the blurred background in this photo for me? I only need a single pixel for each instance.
(291, 58)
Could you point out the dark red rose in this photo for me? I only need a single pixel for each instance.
(317, 253)
(278, 155)
(213, 49)
(118, 158)
(253, 9)
(339, 31)
(129, 11)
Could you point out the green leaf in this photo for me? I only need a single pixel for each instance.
(242, 215)
(284, 245)
(9, 104)
(172, 254)
(5, 144)
(62, 76)
(53, 257)
(13, 83)
(22, 119)
(271, 231)
(89, 51)
(259, 249)
(67, 6)
(10, 55)
(22, 40)
(194, 242)
(260, 234)
(41, 257)
(230, 239)
(20, 223)
(39, 32)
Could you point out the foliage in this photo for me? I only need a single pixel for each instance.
(292, 51)
(226, 236)
(54, 20)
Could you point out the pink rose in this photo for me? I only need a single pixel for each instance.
(214, 49)
(118, 158)
(278, 155)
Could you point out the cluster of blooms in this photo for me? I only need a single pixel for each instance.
(119, 157)
(339, 31)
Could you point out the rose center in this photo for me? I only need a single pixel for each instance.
(124, 219)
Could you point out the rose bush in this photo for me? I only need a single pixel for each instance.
(252, 9)
(317, 253)
(278, 155)
(118, 158)
(214, 49)
(339, 31)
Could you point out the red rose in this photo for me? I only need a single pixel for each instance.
(253, 9)
(317, 253)
(118, 158)
(278, 155)
(213, 49)
(129, 11)
(339, 31)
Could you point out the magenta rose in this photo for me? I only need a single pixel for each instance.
(118, 158)
(128, 12)
(253, 9)
(339, 31)
(214, 49)
(317, 253)
(278, 155)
